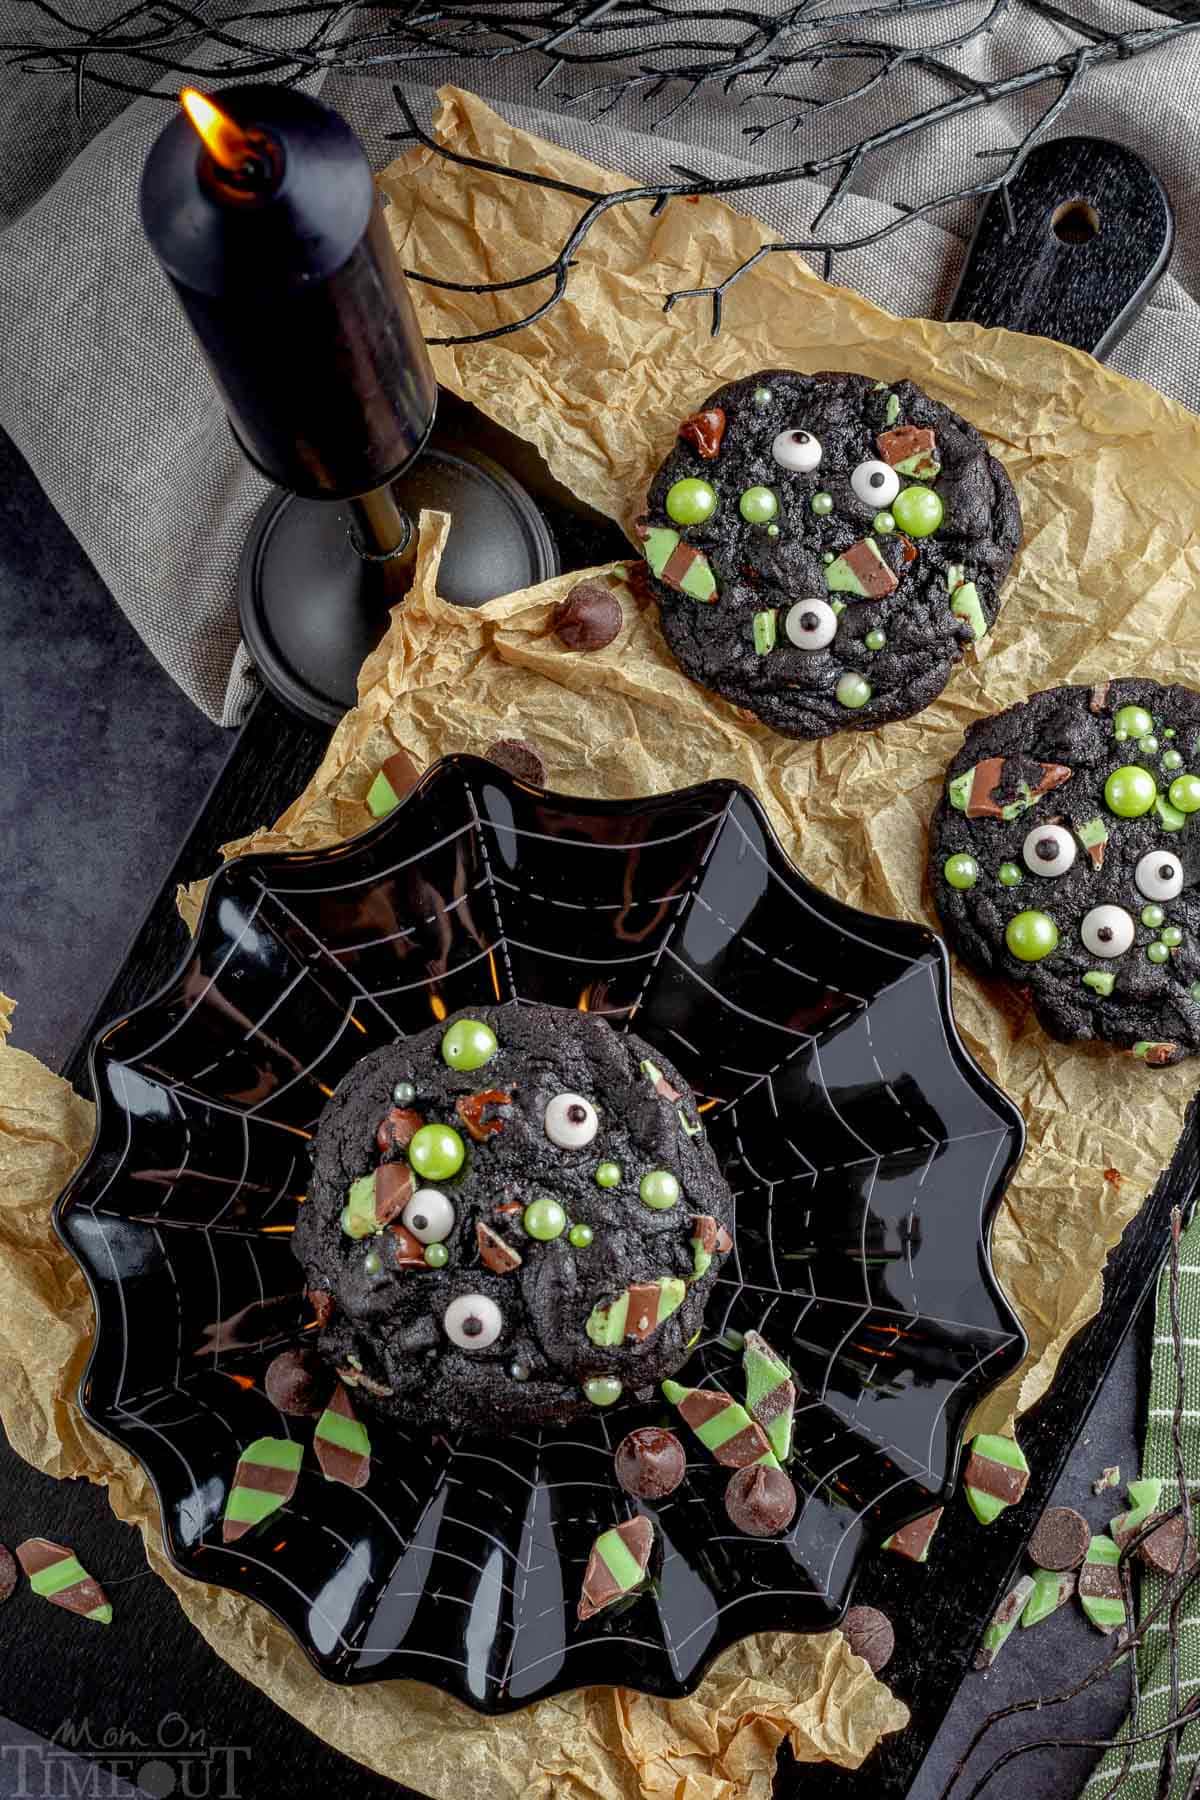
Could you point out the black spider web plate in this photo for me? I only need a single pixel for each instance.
(866, 1149)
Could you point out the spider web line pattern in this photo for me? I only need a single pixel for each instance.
(884, 1376)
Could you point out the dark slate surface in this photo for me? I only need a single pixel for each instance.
(102, 764)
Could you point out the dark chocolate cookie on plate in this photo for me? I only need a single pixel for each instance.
(825, 547)
(1064, 856)
(513, 1217)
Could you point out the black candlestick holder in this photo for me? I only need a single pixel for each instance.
(317, 580)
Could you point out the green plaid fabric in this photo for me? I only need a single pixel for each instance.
(1158, 1458)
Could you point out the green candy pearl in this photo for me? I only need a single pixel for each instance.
(961, 871)
(468, 1044)
(437, 1152)
(1184, 793)
(1158, 953)
(1129, 792)
(373, 1262)
(773, 531)
(691, 501)
(1135, 721)
(608, 1174)
(762, 396)
(1194, 991)
(1153, 916)
(544, 1220)
(1168, 731)
(853, 691)
(1009, 875)
(436, 1256)
(822, 505)
(658, 1190)
(875, 640)
(1172, 759)
(1122, 737)
(602, 1390)
(404, 1093)
(827, 556)
(1172, 937)
(758, 506)
(581, 1236)
(918, 511)
(1148, 744)
(884, 523)
(1031, 935)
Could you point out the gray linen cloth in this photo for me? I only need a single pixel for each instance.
(105, 393)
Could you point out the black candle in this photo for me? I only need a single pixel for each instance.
(274, 239)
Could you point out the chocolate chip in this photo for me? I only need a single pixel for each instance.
(8, 1573)
(590, 618)
(869, 1634)
(1060, 1539)
(649, 1463)
(519, 759)
(1164, 1548)
(298, 1382)
(760, 1501)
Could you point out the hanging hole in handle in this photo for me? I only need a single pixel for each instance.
(1075, 222)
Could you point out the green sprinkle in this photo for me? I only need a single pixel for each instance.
(1157, 953)
(1168, 731)
(1009, 875)
(608, 1174)
(544, 1220)
(602, 1390)
(1194, 991)
(436, 1256)
(772, 531)
(1153, 916)
(762, 396)
(468, 1044)
(1149, 744)
(827, 556)
(1100, 980)
(373, 1262)
(822, 505)
(436, 1152)
(1172, 760)
(580, 1236)
(876, 639)
(883, 523)
(758, 506)
(1172, 937)
(659, 1190)
(1184, 793)
(961, 870)
(1134, 721)
(853, 691)
(691, 501)
(764, 632)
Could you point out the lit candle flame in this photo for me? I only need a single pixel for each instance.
(226, 142)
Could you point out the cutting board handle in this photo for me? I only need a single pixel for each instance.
(1093, 235)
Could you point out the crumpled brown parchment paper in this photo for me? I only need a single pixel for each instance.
(597, 1744)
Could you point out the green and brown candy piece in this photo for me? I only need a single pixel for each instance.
(995, 1477)
(397, 776)
(57, 1575)
(974, 791)
(637, 1312)
(966, 604)
(658, 1080)
(678, 564)
(264, 1481)
(911, 450)
(1144, 1497)
(770, 1393)
(1093, 835)
(341, 1442)
(861, 571)
(376, 1199)
(1004, 1621)
(1099, 1586)
(1052, 1588)
(913, 1540)
(709, 1239)
(722, 1425)
(616, 1565)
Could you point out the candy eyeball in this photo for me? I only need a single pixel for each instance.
(429, 1216)
(798, 451)
(874, 483)
(473, 1321)
(1048, 850)
(1107, 931)
(810, 624)
(571, 1121)
(1159, 875)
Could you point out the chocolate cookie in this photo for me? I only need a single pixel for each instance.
(517, 1215)
(1064, 856)
(824, 548)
